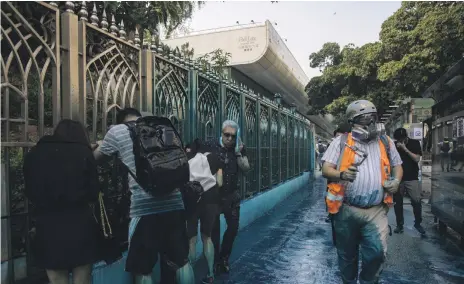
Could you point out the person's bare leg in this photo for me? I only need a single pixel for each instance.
(82, 274)
(208, 251)
(192, 249)
(144, 279)
(58, 276)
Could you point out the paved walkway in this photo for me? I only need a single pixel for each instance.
(293, 244)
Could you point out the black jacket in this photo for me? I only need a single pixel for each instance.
(60, 174)
(61, 180)
(230, 168)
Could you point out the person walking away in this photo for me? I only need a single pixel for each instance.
(410, 153)
(60, 175)
(205, 168)
(365, 170)
(320, 150)
(445, 151)
(158, 223)
(232, 153)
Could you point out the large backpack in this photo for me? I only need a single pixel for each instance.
(160, 160)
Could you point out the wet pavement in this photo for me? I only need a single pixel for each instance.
(293, 244)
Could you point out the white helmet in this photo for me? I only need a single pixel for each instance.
(360, 107)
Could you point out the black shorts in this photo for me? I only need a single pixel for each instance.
(163, 233)
(206, 213)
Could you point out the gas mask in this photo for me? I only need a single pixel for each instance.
(366, 128)
(368, 133)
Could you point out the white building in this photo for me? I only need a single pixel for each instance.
(261, 60)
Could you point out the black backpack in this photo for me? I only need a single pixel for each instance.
(321, 148)
(446, 147)
(160, 160)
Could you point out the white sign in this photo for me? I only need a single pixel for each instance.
(416, 133)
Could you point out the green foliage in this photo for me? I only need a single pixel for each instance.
(216, 59)
(418, 43)
(146, 15)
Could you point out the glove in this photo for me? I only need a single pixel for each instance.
(350, 174)
(391, 186)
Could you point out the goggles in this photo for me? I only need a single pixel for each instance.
(365, 119)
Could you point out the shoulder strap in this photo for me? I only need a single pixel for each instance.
(343, 139)
(131, 127)
(386, 143)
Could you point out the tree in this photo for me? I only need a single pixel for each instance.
(145, 15)
(418, 43)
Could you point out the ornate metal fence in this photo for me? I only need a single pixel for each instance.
(67, 61)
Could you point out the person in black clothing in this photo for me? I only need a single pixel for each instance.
(205, 168)
(446, 148)
(410, 152)
(232, 153)
(61, 181)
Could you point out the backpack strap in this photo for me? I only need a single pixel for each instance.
(386, 143)
(131, 127)
(343, 139)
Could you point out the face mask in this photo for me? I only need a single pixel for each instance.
(368, 133)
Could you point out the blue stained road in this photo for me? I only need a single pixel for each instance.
(293, 244)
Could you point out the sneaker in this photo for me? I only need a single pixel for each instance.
(399, 230)
(208, 280)
(420, 229)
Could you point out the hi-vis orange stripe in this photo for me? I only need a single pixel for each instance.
(336, 191)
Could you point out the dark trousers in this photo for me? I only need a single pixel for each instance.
(231, 210)
(413, 189)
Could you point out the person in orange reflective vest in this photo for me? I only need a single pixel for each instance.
(365, 170)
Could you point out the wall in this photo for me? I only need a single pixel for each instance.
(251, 210)
(246, 44)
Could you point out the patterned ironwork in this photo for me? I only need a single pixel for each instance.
(283, 147)
(265, 144)
(170, 93)
(209, 121)
(102, 77)
(112, 82)
(251, 179)
(112, 79)
(30, 107)
(232, 110)
(274, 146)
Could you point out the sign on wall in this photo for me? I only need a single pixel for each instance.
(417, 133)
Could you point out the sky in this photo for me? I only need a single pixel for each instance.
(305, 25)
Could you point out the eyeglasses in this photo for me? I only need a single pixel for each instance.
(229, 135)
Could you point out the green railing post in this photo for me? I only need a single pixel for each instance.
(222, 103)
(270, 143)
(243, 133)
(288, 148)
(146, 75)
(258, 141)
(193, 93)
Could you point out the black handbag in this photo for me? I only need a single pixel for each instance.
(110, 250)
(191, 194)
